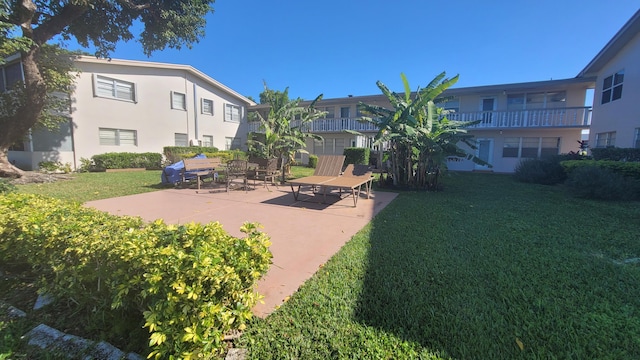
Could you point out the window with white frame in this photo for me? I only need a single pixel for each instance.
(511, 147)
(606, 139)
(636, 141)
(232, 113)
(330, 112)
(612, 87)
(118, 137)
(207, 106)
(207, 140)
(345, 112)
(106, 87)
(530, 147)
(181, 139)
(178, 101)
(231, 143)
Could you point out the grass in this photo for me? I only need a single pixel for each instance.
(489, 268)
(85, 187)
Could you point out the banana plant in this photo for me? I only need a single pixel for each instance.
(417, 132)
(285, 128)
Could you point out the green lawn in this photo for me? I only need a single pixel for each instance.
(100, 185)
(474, 272)
(478, 271)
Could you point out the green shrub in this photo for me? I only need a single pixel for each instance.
(6, 187)
(313, 161)
(616, 154)
(54, 166)
(595, 182)
(191, 283)
(546, 171)
(357, 155)
(173, 154)
(624, 168)
(127, 160)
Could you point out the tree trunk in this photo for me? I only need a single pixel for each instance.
(26, 115)
(7, 170)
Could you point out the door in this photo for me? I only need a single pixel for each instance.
(484, 151)
(487, 106)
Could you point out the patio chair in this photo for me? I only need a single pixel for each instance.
(236, 169)
(267, 170)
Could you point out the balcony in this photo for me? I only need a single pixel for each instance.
(578, 117)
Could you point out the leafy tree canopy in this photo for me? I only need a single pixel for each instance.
(28, 26)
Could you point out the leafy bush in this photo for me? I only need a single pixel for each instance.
(191, 283)
(627, 169)
(595, 182)
(54, 166)
(313, 161)
(127, 160)
(546, 171)
(6, 187)
(174, 154)
(616, 154)
(356, 155)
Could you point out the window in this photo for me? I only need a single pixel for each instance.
(231, 113)
(606, 139)
(530, 147)
(330, 112)
(118, 137)
(612, 87)
(181, 139)
(511, 147)
(231, 143)
(451, 105)
(515, 101)
(318, 147)
(549, 146)
(207, 106)
(207, 140)
(115, 89)
(9, 75)
(345, 112)
(178, 101)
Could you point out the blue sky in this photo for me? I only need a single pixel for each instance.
(342, 47)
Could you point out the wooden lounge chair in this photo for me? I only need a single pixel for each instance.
(328, 168)
(353, 178)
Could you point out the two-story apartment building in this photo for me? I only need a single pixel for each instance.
(138, 106)
(517, 121)
(616, 107)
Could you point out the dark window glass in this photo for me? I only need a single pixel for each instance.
(617, 92)
(13, 74)
(606, 96)
(608, 81)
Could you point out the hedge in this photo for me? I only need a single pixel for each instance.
(127, 160)
(174, 154)
(624, 168)
(356, 155)
(191, 283)
(616, 154)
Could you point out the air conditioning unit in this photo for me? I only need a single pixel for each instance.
(194, 142)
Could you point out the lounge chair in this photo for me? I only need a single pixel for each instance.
(328, 168)
(352, 178)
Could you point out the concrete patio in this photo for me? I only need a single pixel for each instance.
(304, 233)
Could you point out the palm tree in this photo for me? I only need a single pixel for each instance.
(285, 127)
(418, 134)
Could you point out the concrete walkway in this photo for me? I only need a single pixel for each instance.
(304, 234)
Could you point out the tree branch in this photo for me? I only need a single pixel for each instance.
(55, 24)
(133, 6)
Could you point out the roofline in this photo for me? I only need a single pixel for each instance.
(499, 88)
(630, 29)
(157, 65)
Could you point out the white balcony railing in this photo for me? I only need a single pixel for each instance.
(522, 119)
